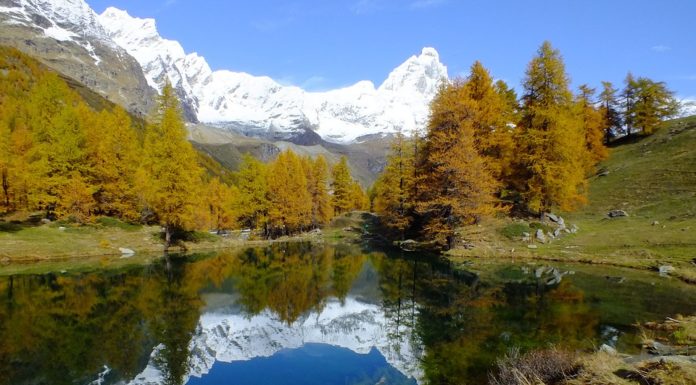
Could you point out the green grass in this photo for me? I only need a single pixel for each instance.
(515, 230)
(653, 179)
(116, 223)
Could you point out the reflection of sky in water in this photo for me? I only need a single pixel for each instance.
(372, 343)
(312, 364)
(313, 308)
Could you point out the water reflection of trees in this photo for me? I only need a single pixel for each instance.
(464, 323)
(63, 328)
(295, 278)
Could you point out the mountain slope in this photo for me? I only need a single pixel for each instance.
(652, 179)
(257, 105)
(67, 36)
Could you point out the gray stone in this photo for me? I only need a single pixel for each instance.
(539, 272)
(125, 252)
(666, 269)
(574, 229)
(540, 236)
(45, 221)
(607, 349)
(655, 223)
(531, 246)
(552, 217)
(659, 349)
(617, 214)
(61, 228)
(408, 245)
(557, 233)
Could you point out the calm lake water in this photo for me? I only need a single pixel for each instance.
(303, 314)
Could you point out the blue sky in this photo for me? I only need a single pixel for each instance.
(323, 44)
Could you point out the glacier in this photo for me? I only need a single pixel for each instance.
(260, 104)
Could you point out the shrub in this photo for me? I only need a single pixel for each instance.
(548, 366)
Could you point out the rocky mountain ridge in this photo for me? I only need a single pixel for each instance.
(67, 36)
(259, 105)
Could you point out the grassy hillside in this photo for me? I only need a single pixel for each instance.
(653, 179)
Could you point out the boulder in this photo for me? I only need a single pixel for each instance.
(531, 246)
(659, 349)
(607, 349)
(540, 236)
(655, 223)
(665, 269)
(45, 221)
(407, 245)
(557, 233)
(126, 252)
(61, 228)
(552, 217)
(574, 229)
(617, 214)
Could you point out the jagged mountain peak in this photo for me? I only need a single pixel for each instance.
(59, 19)
(240, 101)
(420, 74)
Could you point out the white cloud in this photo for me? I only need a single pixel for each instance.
(660, 48)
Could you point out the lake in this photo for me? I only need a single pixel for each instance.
(299, 313)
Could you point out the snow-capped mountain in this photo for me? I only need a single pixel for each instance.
(260, 104)
(228, 336)
(68, 36)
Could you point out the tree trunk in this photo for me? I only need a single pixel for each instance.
(167, 237)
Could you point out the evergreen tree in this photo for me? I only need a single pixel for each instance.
(550, 137)
(220, 201)
(252, 201)
(456, 186)
(359, 199)
(629, 99)
(653, 102)
(290, 208)
(319, 192)
(593, 126)
(609, 109)
(393, 191)
(489, 118)
(113, 153)
(58, 154)
(172, 175)
(341, 185)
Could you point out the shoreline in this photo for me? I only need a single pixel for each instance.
(459, 261)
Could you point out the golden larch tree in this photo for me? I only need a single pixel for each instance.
(551, 142)
(171, 176)
(456, 187)
(290, 203)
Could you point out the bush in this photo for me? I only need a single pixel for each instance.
(179, 235)
(547, 366)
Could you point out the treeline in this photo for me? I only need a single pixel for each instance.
(60, 156)
(486, 151)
